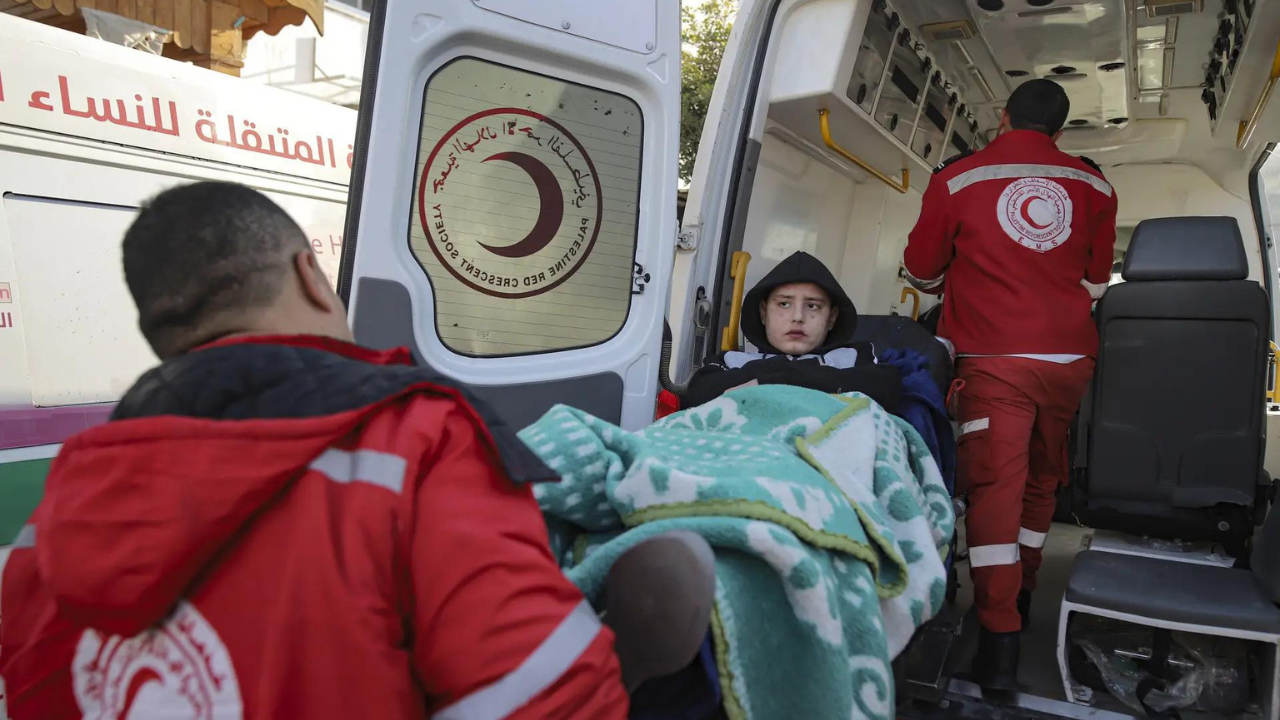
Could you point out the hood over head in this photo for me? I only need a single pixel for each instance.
(799, 267)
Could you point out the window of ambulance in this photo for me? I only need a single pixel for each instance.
(525, 209)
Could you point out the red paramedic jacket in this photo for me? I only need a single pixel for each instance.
(1010, 232)
(281, 528)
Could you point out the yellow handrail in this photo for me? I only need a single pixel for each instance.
(1273, 373)
(1247, 127)
(737, 271)
(824, 121)
(912, 293)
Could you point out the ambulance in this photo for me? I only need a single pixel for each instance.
(513, 205)
(513, 221)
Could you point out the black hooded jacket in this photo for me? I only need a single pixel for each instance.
(838, 365)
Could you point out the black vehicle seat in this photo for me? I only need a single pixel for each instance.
(1175, 443)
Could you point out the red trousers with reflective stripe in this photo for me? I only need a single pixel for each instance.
(1014, 416)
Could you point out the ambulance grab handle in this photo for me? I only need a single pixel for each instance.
(824, 121)
(1247, 127)
(737, 271)
(914, 294)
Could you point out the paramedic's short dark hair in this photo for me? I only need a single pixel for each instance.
(1039, 105)
(198, 256)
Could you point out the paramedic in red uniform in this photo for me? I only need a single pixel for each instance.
(278, 523)
(1020, 235)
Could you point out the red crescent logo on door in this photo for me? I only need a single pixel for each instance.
(550, 204)
(509, 202)
(1036, 213)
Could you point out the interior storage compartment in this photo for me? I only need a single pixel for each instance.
(854, 81)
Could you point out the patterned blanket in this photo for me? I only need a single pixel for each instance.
(829, 520)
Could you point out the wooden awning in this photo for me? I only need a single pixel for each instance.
(208, 32)
(283, 13)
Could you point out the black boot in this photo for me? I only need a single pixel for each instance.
(1024, 607)
(995, 667)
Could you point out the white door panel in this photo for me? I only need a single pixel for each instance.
(519, 176)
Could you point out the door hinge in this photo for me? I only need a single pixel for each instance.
(639, 279)
(687, 240)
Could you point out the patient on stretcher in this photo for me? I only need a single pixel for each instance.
(829, 519)
(801, 323)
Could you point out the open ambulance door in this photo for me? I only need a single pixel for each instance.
(707, 272)
(513, 202)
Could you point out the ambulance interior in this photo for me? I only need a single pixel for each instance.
(858, 101)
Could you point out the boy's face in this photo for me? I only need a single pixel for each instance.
(797, 317)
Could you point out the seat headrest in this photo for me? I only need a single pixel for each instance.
(1186, 248)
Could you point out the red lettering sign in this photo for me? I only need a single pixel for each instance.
(160, 115)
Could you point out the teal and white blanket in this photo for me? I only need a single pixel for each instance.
(829, 520)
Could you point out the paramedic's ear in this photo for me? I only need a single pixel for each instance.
(1005, 124)
(315, 285)
(1058, 134)
(835, 315)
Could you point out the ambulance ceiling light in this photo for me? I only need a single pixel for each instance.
(1045, 12)
(1155, 67)
(949, 31)
(1165, 8)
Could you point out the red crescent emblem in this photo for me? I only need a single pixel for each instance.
(1026, 216)
(569, 209)
(550, 206)
(1015, 211)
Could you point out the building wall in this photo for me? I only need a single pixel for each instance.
(298, 59)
